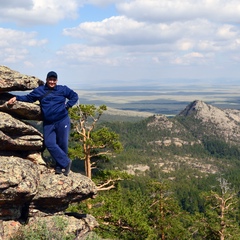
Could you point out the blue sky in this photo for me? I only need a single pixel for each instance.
(92, 43)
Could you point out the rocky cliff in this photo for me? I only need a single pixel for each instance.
(29, 191)
(222, 123)
(200, 120)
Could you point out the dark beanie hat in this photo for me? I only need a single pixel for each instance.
(52, 74)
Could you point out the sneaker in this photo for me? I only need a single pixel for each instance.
(67, 168)
(58, 170)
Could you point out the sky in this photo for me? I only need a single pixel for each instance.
(94, 43)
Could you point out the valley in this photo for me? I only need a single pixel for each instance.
(166, 99)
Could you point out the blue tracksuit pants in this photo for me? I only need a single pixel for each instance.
(56, 140)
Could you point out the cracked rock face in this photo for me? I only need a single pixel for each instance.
(55, 192)
(18, 185)
(16, 135)
(31, 192)
(14, 81)
(28, 189)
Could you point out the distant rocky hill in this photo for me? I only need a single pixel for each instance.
(200, 120)
(222, 123)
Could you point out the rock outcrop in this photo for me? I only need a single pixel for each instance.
(223, 123)
(17, 136)
(14, 81)
(29, 191)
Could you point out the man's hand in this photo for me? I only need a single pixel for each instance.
(11, 101)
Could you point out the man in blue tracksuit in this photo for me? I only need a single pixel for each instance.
(56, 122)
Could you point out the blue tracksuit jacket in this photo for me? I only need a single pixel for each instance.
(53, 105)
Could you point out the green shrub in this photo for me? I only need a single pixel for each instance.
(40, 231)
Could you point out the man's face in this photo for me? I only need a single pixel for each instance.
(51, 82)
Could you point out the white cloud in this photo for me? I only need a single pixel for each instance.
(14, 44)
(185, 44)
(161, 33)
(27, 4)
(198, 34)
(12, 55)
(10, 37)
(82, 52)
(191, 59)
(124, 31)
(28, 64)
(32, 12)
(227, 31)
(91, 55)
(101, 2)
(179, 10)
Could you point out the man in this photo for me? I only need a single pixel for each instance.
(54, 101)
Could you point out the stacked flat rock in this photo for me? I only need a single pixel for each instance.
(18, 137)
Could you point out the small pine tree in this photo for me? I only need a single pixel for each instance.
(94, 144)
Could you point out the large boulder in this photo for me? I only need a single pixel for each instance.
(20, 110)
(18, 135)
(14, 81)
(56, 192)
(19, 182)
(30, 190)
(30, 193)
